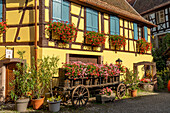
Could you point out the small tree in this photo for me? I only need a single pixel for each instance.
(46, 69)
(21, 81)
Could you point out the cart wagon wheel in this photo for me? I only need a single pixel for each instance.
(80, 96)
(121, 90)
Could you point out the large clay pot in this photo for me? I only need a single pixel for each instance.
(22, 104)
(169, 85)
(37, 103)
(133, 93)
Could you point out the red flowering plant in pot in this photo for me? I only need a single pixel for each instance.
(94, 38)
(117, 41)
(66, 32)
(3, 27)
(143, 46)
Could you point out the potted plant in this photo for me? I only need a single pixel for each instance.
(54, 104)
(117, 41)
(143, 46)
(132, 80)
(106, 94)
(66, 32)
(21, 84)
(3, 27)
(95, 38)
(41, 77)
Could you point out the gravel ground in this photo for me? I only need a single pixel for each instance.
(159, 103)
(154, 103)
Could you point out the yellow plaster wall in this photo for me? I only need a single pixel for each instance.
(26, 34)
(13, 17)
(127, 58)
(20, 3)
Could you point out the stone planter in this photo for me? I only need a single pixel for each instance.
(104, 98)
(147, 87)
(22, 104)
(54, 106)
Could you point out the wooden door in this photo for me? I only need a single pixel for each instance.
(9, 78)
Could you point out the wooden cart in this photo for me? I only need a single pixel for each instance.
(79, 90)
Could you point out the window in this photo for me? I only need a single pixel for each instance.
(114, 25)
(160, 17)
(91, 20)
(1, 5)
(60, 10)
(140, 32)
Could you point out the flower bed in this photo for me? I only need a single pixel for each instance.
(3, 27)
(94, 38)
(143, 46)
(117, 40)
(67, 32)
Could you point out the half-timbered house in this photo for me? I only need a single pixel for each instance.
(108, 16)
(158, 13)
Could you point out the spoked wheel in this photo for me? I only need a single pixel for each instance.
(65, 99)
(121, 90)
(80, 96)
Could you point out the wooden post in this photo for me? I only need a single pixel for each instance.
(35, 34)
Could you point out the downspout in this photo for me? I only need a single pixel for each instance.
(35, 34)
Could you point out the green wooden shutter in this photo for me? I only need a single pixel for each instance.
(135, 27)
(117, 26)
(1, 7)
(57, 6)
(91, 20)
(146, 33)
(114, 25)
(65, 11)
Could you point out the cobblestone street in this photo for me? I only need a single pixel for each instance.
(147, 104)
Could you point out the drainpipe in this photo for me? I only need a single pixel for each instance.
(35, 34)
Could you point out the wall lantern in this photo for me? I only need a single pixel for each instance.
(119, 61)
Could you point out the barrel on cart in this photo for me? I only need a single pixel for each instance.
(78, 90)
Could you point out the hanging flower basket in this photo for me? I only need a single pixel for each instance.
(117, 41)
(143, 46)
(94, 38)
(66, 32)
(3, 27)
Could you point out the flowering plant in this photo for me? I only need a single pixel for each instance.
(79, 69)
(95, 38)
(121, 68)
(66, 31)
(145, 80)
(143, 45)
(106, 91)
(3, 27)
(117, 40)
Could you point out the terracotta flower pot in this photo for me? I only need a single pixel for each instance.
(169, 85)
(133, 93)
(37, 103)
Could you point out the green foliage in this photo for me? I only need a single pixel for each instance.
(52, 99)
(131, 79)
(163, 77)
(42, 76)
(22, 80)
(157, 53)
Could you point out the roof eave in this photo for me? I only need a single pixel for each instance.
(102, 8)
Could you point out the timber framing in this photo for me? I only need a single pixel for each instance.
(43, 42)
